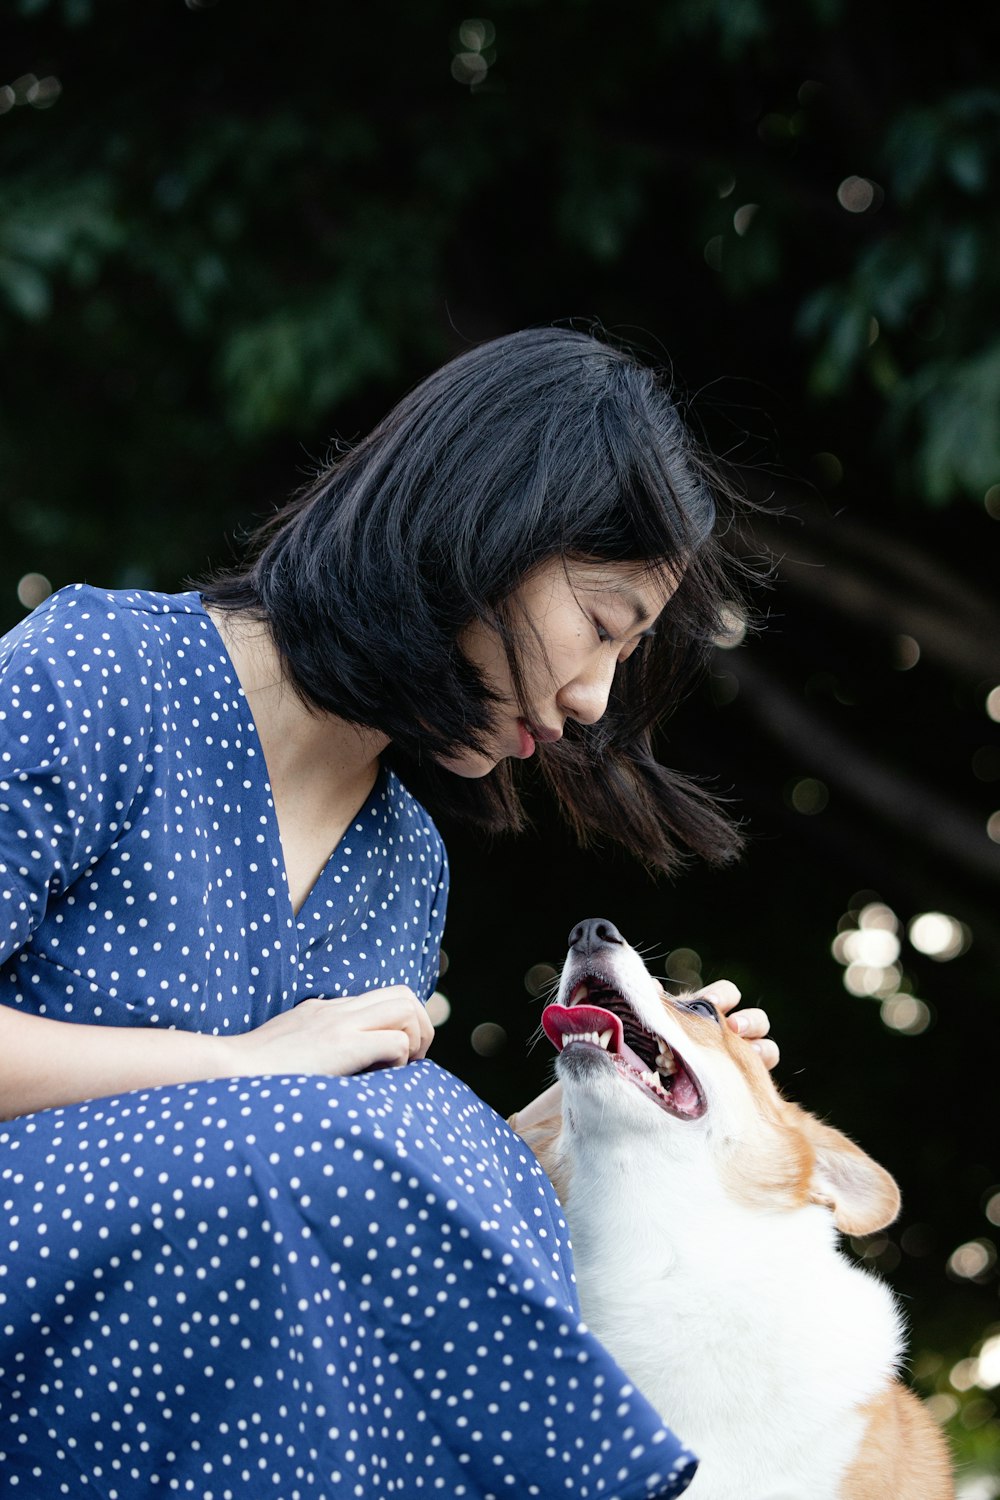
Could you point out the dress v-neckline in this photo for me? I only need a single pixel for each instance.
(296, 913)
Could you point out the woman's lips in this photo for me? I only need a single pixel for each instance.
(527, 740)
(538, 734)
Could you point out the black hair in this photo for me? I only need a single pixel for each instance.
(545, 444)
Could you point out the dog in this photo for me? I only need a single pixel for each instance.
(703, 1210)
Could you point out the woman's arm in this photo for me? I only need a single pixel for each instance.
(44, 1062)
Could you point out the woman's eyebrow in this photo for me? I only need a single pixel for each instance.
(640, 614)
(622, 594)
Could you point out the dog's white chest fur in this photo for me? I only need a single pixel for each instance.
(747, 1329)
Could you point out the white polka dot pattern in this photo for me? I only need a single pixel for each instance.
(300, 1287)
(141, 873)
(303, 1288)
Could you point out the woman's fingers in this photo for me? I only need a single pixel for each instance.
(721, 992)
(768, 1051)
(752, 1024)
(393, 1008)
(348, 1034)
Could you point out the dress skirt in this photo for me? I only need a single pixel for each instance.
(301, 1288)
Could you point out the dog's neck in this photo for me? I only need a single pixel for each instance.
(707, 1290)
(681, 1213)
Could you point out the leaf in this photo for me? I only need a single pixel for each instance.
(25, 288)
(957, 409)
(292, 367)
(969, 166)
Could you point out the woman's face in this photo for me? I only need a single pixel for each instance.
(581, 620)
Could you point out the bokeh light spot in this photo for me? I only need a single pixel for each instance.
(438, 1008)
(713, 253)
(732, 627)
(44, 93)
(744, 217)
(684, 966)
(906, 653)
(988, 1360)
(963, 1374)
(829, 470)
(972, 1259)
(21, 87)
(906, 1014)
(469, 67)
(476, 35)
(809, 796)
(539, 978)
(859, 194)
(32, 589)
(877, 946)
(942, 1407)
(876, 915)
(488, 1039)
(939, 936)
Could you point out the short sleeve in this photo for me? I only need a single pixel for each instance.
(75, 724)
(431, 965)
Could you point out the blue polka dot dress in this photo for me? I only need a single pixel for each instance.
(302, 1287)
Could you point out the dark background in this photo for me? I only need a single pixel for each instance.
(231, 234)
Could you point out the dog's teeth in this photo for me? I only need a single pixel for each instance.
(579, 994)
(579, 1036)
(665, 1062)
(605, 1038)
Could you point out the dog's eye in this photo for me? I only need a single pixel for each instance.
(702, 1008)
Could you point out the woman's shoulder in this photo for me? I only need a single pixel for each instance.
(79, 611)
(87, 653)
(405, 807)
(80, 631)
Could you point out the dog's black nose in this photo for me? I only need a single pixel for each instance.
(594, 933)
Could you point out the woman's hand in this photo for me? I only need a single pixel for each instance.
(751, 1024)
(379, 1029)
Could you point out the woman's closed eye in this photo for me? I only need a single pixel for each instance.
(626, 645)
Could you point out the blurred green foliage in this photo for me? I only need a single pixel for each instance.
(256, 220)
(231, 234)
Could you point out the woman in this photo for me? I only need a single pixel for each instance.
(264, 1258)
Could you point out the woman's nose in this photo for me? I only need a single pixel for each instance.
(586, 697)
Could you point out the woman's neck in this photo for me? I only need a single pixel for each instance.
(299, 742)
(321, 769)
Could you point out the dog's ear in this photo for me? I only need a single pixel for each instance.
(861, 1194)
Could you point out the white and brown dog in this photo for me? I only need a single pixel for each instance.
(704, 1209)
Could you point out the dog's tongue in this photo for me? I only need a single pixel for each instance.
(559, 1021)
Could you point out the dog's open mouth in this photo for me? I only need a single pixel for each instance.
(598, 1016)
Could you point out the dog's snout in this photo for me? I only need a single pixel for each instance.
(593, 934)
